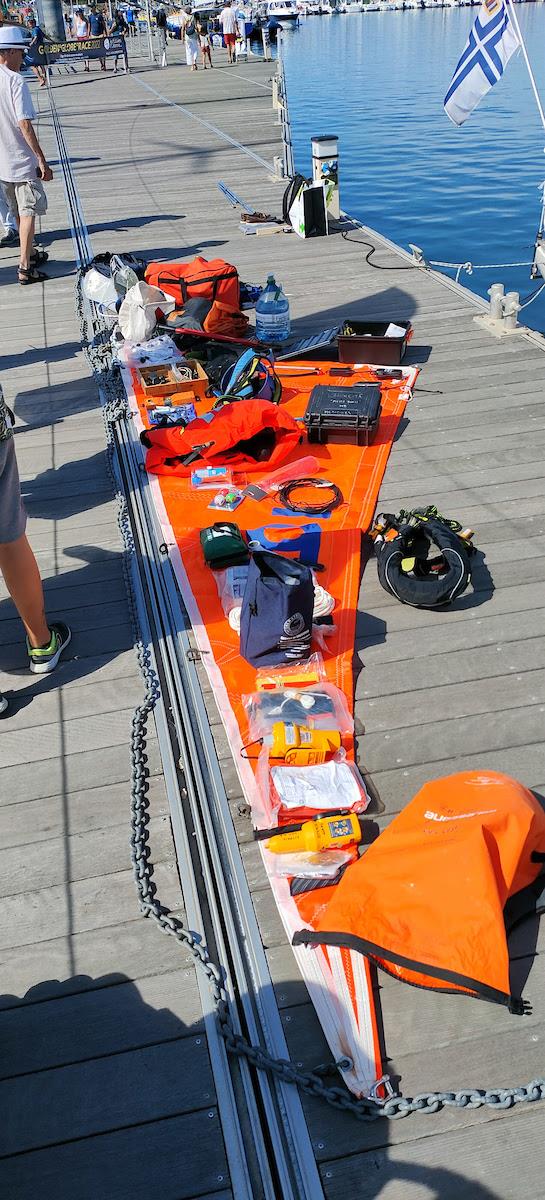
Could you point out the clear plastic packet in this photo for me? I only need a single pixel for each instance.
(291, 675)
(299, 469)
(325, 787)
(211, 478)
(322, 706)
(154, 352)
(308, 864)
(227, 499)
(320, 634)
(302, 792)
(230, 583)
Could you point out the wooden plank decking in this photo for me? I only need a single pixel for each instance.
(99, 1020)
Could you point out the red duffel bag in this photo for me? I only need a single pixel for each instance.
(214, 280)
(244, 435)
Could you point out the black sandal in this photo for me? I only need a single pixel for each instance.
(38, 256)
(31, 276)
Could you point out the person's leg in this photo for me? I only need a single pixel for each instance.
(22, 579)
(26, 240)
(31, 202)
(10, 236)
(45, 642)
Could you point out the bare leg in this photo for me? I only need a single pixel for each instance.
(26, 239)
(22, 579)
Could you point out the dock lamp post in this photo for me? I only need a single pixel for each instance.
(325, 169)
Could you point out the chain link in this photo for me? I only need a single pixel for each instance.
(115, 408)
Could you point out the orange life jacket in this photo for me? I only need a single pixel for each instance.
(431, 899)
(244, 435)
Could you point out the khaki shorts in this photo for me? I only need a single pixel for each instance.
(28, 198)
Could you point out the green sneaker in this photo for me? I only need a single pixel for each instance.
(44, 659)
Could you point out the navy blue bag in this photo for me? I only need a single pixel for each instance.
(276, 615)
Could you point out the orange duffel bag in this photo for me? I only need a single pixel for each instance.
(214, 280)
(432, 899)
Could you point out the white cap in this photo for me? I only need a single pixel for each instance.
(13, 37)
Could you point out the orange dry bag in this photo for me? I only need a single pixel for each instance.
(431, 899)
(208, 280)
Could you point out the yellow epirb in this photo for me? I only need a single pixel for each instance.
(324, 834)
(302, 747)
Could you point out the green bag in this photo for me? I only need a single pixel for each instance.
(223, 545)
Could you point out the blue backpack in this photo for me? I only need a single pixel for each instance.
(276, 615)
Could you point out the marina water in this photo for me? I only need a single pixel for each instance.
(470, 194)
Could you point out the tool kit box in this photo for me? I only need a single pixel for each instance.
(374, 342)
(174, 379)
(345, 415)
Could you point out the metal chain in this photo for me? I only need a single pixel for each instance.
(115, 408)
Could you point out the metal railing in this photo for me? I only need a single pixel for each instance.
(284, 112)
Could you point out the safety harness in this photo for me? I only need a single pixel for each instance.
(407, 565)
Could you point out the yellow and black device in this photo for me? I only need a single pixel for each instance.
(326, 833)
(299, 746)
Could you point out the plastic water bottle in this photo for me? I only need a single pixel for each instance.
(272, 314)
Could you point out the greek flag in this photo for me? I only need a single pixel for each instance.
(489, 47)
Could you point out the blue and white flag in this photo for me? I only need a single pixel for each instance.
(489, 47)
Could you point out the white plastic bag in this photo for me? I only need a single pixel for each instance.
(98, 288)
(137, 315)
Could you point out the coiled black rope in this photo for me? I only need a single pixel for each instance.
(310, 510)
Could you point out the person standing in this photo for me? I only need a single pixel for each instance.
(118, 26)
(36, 60)
(98, 29)
(204, 41)
(81, 31)
(161, 25)
(45, 642)
(131, 23)
(228, 22)
(189, 33)
(23, 165)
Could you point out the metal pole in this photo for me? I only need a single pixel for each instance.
(53, 20)
(514, 19)
(150, 39)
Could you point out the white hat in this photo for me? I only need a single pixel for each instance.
(13, 37)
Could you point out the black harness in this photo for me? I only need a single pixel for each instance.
(407, 565)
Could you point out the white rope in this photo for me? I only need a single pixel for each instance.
(532, 298)
(470, 267)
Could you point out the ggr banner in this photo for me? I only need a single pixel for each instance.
(81, 48)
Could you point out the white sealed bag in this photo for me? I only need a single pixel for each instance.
(99, 288)
(137, 315)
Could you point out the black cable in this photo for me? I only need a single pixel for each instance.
(310, 510)
(373, 250)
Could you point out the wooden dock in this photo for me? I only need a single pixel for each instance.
(106, 1084)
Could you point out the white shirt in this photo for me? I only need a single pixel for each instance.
(228, 20)
(17, 161)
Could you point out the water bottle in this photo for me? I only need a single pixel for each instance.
(272, 314)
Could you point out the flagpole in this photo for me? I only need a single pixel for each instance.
(516, 26)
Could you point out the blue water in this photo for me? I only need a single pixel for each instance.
(378, 81)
